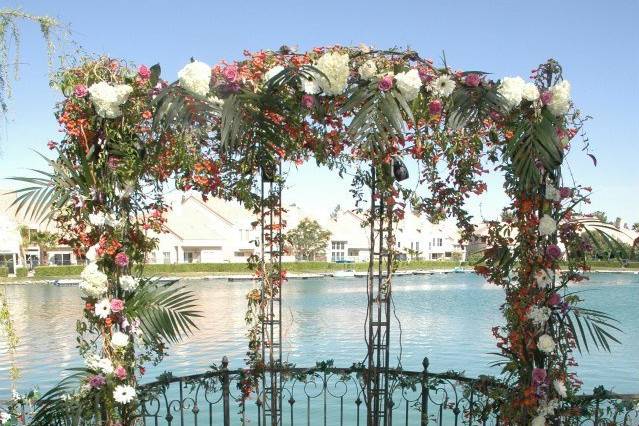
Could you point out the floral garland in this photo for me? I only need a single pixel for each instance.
(217, 129)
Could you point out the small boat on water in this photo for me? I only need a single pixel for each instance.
(458, 270)
(344, 274)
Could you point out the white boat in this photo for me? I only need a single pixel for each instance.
(344, 274)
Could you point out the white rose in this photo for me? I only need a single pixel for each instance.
(560, 102)
(546, 344)
(107, 98)
(335, 68)
(92, 253)
(128, 283)
(368, 70)
(105, 365)
(409, 83)
(119, 339)
(530, 92)
(196, 78)
(273, 72)
(442, 86)
(560, 388)
(547, 225)
(511, 89)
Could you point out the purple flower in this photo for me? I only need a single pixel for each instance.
(538, 376)
(385, 83)
(554, 299)
(565, 192)
(97, 381)
(553, 252)
(121, 259)
(546, 97)
(308, 101)
(80, 91)
(472, 80)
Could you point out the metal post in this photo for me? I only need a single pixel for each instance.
(425, 395)
(226, 392)
(379, 292)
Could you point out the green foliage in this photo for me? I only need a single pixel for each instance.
(54, 407)
(308, 239)
(4, 271)
(21, 272)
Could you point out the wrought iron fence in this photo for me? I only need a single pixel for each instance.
(325, 395)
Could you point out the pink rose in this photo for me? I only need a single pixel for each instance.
(554, 299)
(472, 80)
(121, 259)
(553, 252)
(385, 83)
(120, 372)
(117, 305)
(435, 107)
(144, 72)
(308, 101)
(52, 145)
(80, 91)
(230, 73)
(546, 97)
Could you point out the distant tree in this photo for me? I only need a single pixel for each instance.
(308, 239)
(414, 254)
(635, 226)
(601, 216)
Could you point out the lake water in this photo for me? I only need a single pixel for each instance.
(447, 318)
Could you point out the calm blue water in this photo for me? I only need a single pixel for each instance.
(445, 317)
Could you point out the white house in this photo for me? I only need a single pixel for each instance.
(418, 238)
(349, 241)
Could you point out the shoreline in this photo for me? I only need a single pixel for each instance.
(240, 276)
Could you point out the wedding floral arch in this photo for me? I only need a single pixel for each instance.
(225, 131)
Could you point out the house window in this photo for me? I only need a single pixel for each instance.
(61, 259)
(337, 250)
(167, 257)
(437, 242)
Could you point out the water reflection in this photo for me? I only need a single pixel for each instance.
(445, 317)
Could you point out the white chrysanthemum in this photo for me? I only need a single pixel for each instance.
(128, 283)
(539, 315)
(544, 278)
(97, 219)
(512, 88)
(311, 85)
(560, 388)
(530, 92)
(119, 339)
(547, 225)
(94, 282)
(368, 70)
(103, 309)
(4, 418)
(409, 83)
(124, 394)
(546, 344)
(111, 220)
(273, 72)
(216, 101)
(196, 78)
(104, 365)
(334, 66)
(107, 99)
(442, 86)
(548, 408)
(552, 193)
(560, 102)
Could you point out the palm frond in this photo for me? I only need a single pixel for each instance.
(164, 311)
(598, 325)
(54, 408)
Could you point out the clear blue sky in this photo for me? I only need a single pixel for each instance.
(596, 41)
